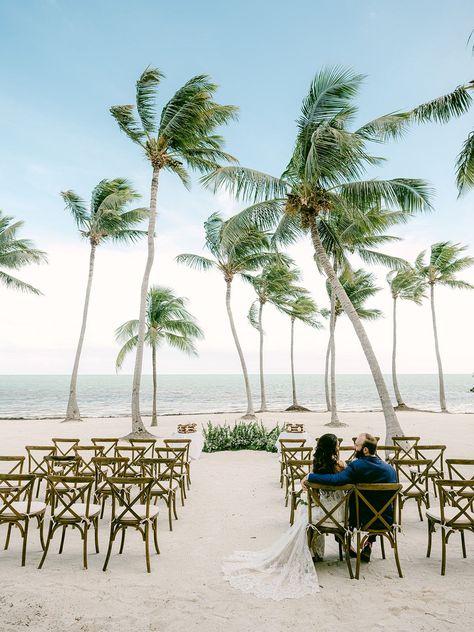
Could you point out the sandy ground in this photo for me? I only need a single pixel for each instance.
(235, 502)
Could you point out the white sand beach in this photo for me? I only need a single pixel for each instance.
(235, 502)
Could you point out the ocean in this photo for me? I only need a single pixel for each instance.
(34, 396)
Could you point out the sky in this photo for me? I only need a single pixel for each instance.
(64, 63)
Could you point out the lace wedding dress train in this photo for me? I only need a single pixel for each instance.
(285, 570)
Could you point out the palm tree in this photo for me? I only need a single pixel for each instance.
(405, 284)
(16, 253)
(167, 322)
(246, 254)
(443, 265)
(322, 179)
(107, 219)
(182, 138)
(359, 286)
(274, 285)
(305, 310)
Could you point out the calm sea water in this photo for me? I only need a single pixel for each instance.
(31, 396)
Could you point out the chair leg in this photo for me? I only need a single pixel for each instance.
(170, 520)
(174, 507)
(147, 547)
(430, 537)
(96, 533)
(84, 546)
(347, 546)
(358, 557)
(340, 550)
(395, 553)
(41, 530)
(102, 509)
(63, 535)
(155, 536)
(49, 537)
(382, 546)
(443, 552)
(463, 544)
(7, 539)
(109, 549)
(418, 502)
(292, 509)
(25, 539)
(122, 541)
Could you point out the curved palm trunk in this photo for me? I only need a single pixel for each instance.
(292, 346)
(138, 428)
(442, 396)
(250, 414)
(326, 374)
(263, 399)
(393, 427)
(400, 402)
(154, 421)
(335, 421)
(72, 412)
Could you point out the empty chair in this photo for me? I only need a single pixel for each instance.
(287, 443)
(59, 465)
(293, 454)
(36, 463)
(106, 467)
(71, 506)
(413, 475)
(148, 444)
(134, 511)
(108, 444)
(165, 484)
(407, 446)
(179, 468)
(182, 443)
(388, 453)
(435, 453)
(297, 470)
(12, 464)
(65, 447)
(134, 454)
(86, 454)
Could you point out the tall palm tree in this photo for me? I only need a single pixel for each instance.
(406, 285)
(182, 138)
(323, 178)
(305, 310)
(248, 253)
(16, 253)
(167, 322)
(441, 269)
(359, 286)
(107, 219)
(274, 285)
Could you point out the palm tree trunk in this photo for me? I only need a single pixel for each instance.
(442, 396)
(335, 421)
(138, 428)
(326, 374)
(263, 399)
(393, 427)
(292, 346)
(72, 412)
(250, 414)
(400, 403)
(153, 363)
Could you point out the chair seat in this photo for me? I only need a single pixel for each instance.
(21, 507)
(161, 492)
(449, 514)
(79, 509)
(140, 510)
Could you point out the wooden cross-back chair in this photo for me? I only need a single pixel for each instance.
(293, 454)
(435, 453)
(298, 469)
(106, 467)
(375, 506)
(455, 513)
(165, 483)
(59, 465)
(179, 468)
(36, 462)
(182, 443)
(134, 454)
(11, 465)
(287, 443)
(407, 446)
(413, 475)
(148, 444)
(326, 516)
(17, 507)
(86, 454)
(107, 443)
(134, 510)
(461, 470)
(346, 453)
(65, 446)
(388, 453)
(71, 506)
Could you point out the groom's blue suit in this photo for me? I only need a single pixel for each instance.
(365, 469)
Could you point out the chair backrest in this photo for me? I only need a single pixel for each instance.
(291, 443)
(134, 454)
(179, 443)
(460, 469)
(67, 491)
(456, 503)
(12, 464)
(298, 469)
(178, 454)
(346, 453)
(108, 443)
(406, 445)
(36, 455)
(62, 465)
(107, 466)
(435, 453)
(375, 506)
(413, 473)
(388, 453)
(15, 488)
(85, 454)
(65, 447)
(124, 506)
(161, 470)
(326, 514)
(296, 454)
(148, 444)
(354, 439)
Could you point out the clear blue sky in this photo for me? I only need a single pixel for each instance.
(63, 63)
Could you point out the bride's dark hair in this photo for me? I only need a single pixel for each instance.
(326, 455)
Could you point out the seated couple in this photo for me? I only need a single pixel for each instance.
(286, 569)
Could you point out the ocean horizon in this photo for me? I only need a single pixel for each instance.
(45, 396)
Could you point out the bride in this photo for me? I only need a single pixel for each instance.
(286, 569)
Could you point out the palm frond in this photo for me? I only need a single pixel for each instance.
(195, 261)
(245, 184)
(444, 108)
(77, 207)
(123, 114)
(127, 348)
(13, 283)
(146, 97)
(465, 165)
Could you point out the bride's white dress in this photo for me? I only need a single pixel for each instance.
(285, 570)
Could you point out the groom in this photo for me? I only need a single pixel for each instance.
(367, 467)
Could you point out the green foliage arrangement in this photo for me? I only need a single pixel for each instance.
(241, 436)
